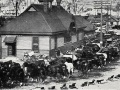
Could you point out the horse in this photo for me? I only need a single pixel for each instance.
(81, 65)
(70, 68)
(57, 70)
(11, 72)
(103, 57)
(31, 70)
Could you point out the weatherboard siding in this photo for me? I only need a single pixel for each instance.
(4, 52)
(0, 47)
(3, 43)
(24, 42)
(74, 38)
(60, 41)
(80, 35)
(52, 43)
(4, 48)
(44, 43)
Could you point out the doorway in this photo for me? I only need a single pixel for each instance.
(11, 49)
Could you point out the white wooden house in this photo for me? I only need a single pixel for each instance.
(40, 30)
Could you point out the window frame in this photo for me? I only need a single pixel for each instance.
(35, 43)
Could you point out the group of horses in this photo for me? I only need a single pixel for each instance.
(96, 57)
(39, 68)
(11, 73)
(89, 57)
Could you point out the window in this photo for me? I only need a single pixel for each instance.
(35, 46)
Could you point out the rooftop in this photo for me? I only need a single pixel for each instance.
(35, 21)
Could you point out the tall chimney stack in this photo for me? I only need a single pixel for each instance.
(58, 3)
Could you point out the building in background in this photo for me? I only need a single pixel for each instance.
(42, 28)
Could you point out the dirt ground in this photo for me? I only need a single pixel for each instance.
(111, 69)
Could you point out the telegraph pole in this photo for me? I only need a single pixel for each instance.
(101, 35)
(100, 5)
(74, 6)
(110, 9)
(16, 8)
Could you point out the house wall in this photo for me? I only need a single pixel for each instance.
(80, 35)
(24, 44)
(52, 43)
(0, 47)
(27, 46)
(60, 41)
(65, 46)
(44, 44)
(73, 38)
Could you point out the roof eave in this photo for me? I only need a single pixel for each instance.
(31, 33)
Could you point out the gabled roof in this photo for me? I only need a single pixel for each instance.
(38, 22)
(88, 26)
(37, 7)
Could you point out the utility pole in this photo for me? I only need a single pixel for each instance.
(16, 8)
(110, 10)
(74, 6)
(15, 4)
(118, 9)
(107, 17)
(100, 5)
(101, 35)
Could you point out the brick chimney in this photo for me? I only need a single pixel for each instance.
(58, 3)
